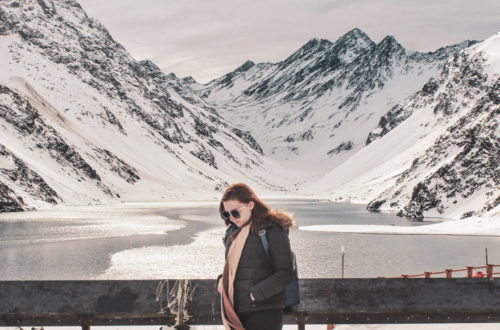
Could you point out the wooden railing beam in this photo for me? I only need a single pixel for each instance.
(196, 302)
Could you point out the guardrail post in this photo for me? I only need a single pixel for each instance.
(490, 271)
(427, 274)
(448, 273)
(470, 270)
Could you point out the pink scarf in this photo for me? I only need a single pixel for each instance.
(229, 317)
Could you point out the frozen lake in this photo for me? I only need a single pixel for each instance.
(183, 240)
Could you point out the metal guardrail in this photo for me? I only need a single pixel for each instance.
(185, 302)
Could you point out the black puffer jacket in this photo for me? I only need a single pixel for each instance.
(256, 274)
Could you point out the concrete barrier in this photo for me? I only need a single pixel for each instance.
(186, 302)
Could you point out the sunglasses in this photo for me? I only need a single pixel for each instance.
(235, 213)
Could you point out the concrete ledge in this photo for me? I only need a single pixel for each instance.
(196, 302)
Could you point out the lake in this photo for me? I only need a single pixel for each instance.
(183, 240)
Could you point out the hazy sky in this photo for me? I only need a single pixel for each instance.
(208, 38)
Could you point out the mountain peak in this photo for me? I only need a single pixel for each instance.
(245, 66)
(389, 42)
(189, 80)
(355, 40)
(389, 47)
(356, 34)
(305, 52)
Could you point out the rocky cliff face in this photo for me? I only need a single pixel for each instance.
(436, 153)
(323, 97)
(31, 127)
(459, 174)
(182, 88)
(81, 115)
(25, 181)
(464, 80)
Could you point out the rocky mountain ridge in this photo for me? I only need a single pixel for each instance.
(84, 122)
(435, 154)
(460, 172)
(87, 121)
(323, 97)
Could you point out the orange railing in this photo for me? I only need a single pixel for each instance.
(489, 272)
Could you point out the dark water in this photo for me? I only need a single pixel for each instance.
(71, 247)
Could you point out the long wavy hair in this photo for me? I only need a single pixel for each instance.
(261, 213)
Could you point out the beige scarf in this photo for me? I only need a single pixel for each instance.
(229, 317)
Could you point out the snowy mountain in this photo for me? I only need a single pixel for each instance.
(82, 121)
(437, 153)
(181, 89)
(316, 108)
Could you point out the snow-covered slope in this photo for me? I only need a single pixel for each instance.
(316, 108)
(82, 121)
(437, 153)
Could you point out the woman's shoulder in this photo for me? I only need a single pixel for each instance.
(283, 219)
(274, 226)
(266, 224)
(277, 220)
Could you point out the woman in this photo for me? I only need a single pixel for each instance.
(252, 285)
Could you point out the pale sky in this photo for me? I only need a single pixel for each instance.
(206, 39)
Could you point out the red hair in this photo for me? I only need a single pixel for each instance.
(261, 213)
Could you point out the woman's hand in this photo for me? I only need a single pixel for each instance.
(219, 286)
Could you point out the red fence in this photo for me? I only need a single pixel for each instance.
(489, 272)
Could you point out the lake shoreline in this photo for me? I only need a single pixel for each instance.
(119, 246)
